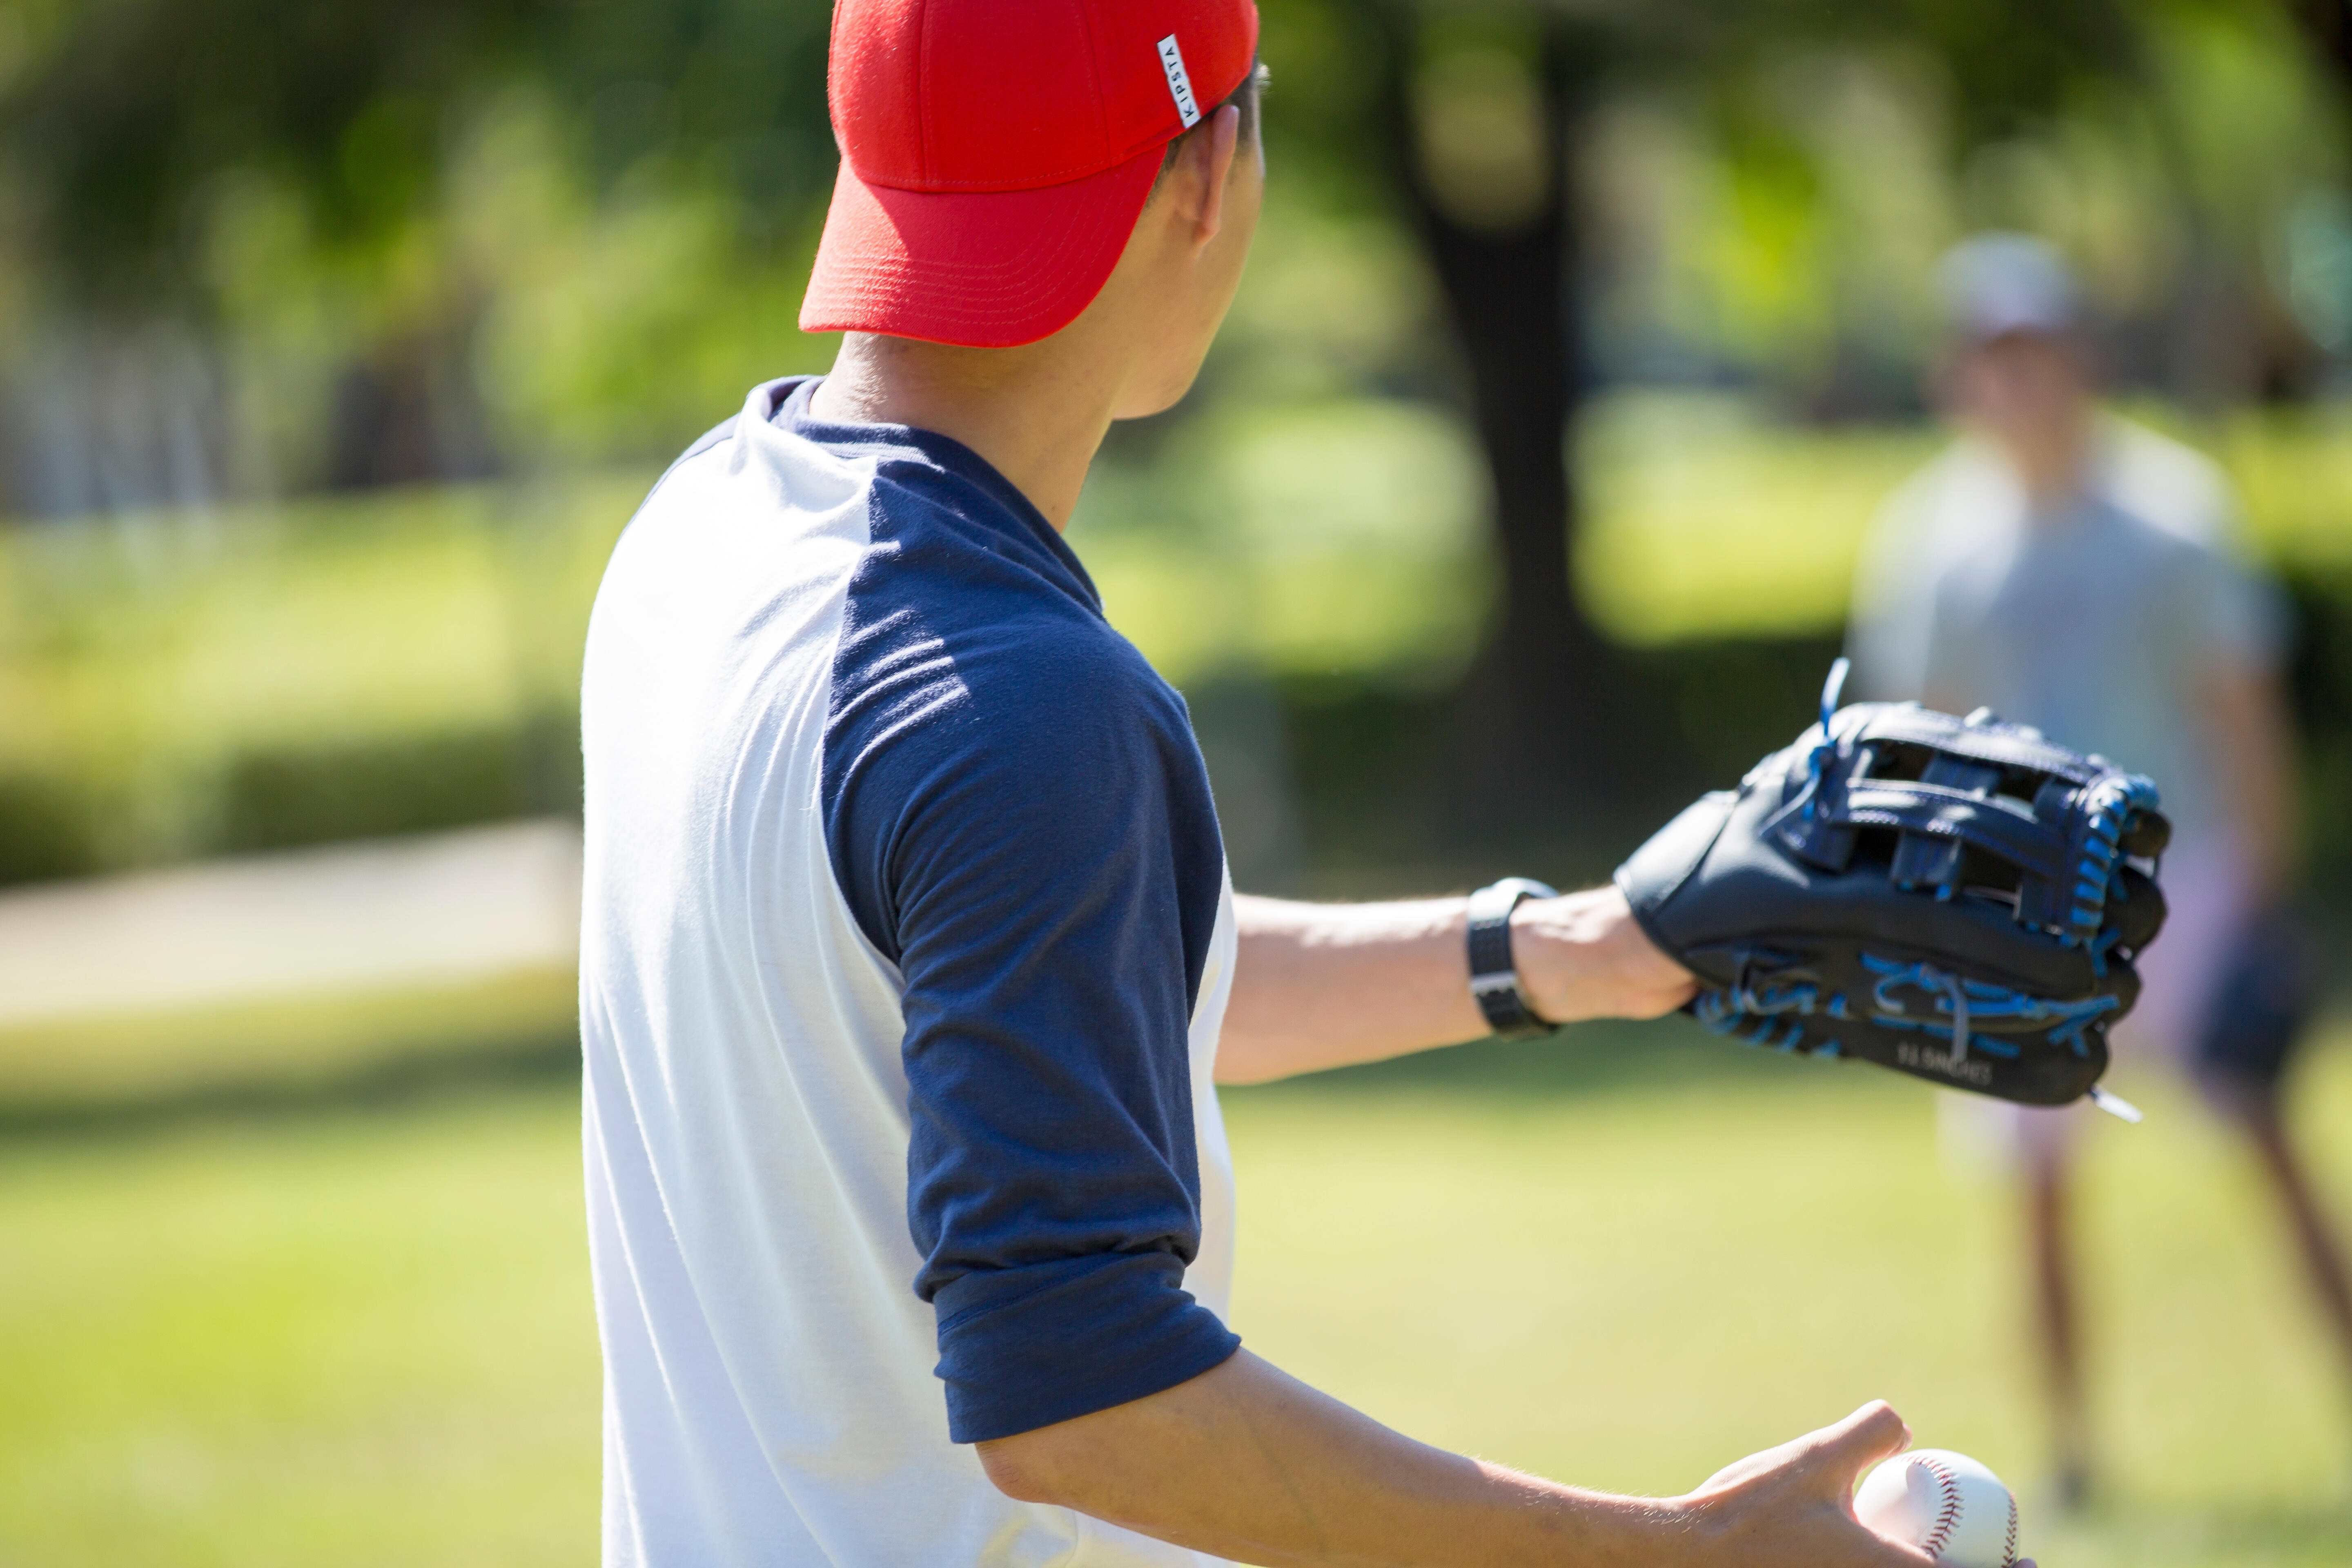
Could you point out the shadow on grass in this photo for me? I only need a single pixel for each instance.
(1609, 1057)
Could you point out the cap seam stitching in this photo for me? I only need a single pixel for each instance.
(832, 111)
(1094, 48)
(922, 99)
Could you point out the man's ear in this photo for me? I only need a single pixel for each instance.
(1201, 170)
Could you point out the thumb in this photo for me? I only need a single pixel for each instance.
(1843, 1452)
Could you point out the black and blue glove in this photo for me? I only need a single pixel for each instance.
(1958, 898)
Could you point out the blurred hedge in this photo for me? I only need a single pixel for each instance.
(1371, 782)
(1314, 577)
(182, 686)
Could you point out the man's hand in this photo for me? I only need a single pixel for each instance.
(1583, 955)
(1793, 1507)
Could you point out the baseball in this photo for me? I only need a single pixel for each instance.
(1945, 1504)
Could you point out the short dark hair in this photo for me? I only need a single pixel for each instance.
(1244, 98)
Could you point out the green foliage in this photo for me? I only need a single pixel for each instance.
(125, 1070)
(580, 230)
(137, 107)
(45, 830)
(1329, 535)
(1707, 522)
(409, 784)
(558, 231)
(280, 675)
(1778, 205)
(332, 670)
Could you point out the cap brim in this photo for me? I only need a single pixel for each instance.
(984, 269)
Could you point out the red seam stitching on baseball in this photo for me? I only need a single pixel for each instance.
(1949, 1514)
(2009, 1551)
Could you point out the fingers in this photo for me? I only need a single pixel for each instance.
(1844, 1451)
(1837, 1454)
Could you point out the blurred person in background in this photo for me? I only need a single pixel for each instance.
(2074, 571)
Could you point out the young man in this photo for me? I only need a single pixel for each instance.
(2074, 571)
(909, 958)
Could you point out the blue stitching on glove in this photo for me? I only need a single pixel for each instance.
(1984, 1000)
(2109, 803)
(1721, 1012)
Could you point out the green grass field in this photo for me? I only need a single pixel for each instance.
(362, 1335)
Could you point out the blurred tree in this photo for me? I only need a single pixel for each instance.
(135, 104)
(1478, 123)
(2328, 24)
(127, 116)
(1479, 114)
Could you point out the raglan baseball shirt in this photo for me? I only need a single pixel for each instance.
(907, 939)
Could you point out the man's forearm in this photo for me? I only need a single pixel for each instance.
(1247, 1462)
(1320, 986)
(1323, 985)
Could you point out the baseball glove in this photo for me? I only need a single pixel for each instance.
(1956, 898)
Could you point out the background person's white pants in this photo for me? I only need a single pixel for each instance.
(2208, 895)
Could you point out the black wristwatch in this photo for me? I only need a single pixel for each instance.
(1494, 980)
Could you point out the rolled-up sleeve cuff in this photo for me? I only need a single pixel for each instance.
(1023, 1348)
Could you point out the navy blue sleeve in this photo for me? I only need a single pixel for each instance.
(1019, 818)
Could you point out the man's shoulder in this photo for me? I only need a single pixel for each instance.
(1964, 477)
(1959, 504)
(2166, 486)
(991, 654)
(953, 581)
(994, 622)
(747, 463)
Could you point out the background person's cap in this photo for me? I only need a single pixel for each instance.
(1996, 283)
(996, 153)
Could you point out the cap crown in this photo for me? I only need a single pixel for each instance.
(1008, 95)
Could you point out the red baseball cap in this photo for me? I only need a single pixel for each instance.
(996, 153)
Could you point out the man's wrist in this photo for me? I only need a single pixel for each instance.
(1556, 940)
(1494, 983)
(1583, 955)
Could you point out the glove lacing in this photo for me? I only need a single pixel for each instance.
(1814, 765)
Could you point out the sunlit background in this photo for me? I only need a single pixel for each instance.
(1519, 500)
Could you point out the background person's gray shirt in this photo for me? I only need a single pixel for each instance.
(2094, 623)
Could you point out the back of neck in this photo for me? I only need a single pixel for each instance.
(1031, 411)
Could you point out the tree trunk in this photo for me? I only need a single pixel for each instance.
(2328, 24)
(1536, 710)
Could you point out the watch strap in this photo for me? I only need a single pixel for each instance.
(1494, 977)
